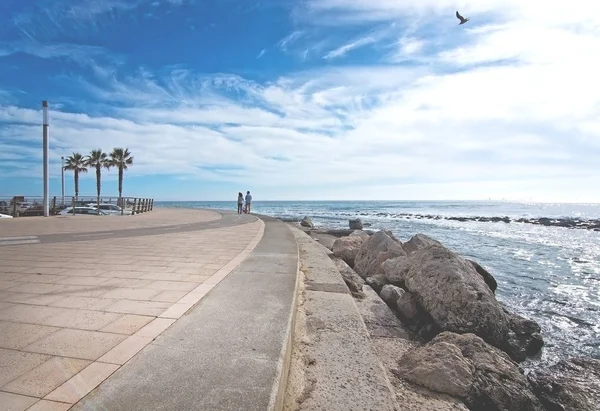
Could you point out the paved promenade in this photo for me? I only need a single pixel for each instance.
(81, 295)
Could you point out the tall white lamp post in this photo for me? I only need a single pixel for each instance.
(46, 127)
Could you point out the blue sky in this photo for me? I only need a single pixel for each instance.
(312, 99)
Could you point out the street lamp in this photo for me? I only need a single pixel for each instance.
(62, 176)
(45, 127)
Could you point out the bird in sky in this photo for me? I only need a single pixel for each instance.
(461, 18)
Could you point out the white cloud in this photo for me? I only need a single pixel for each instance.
(262, 53)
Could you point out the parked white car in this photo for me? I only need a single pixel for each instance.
(23, 206)
(110, 208)
(83, 211)
(5, 216)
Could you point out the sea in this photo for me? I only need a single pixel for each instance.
(546, 273)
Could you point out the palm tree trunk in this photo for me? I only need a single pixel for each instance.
(121, 188)
(76, 176)
(98, 184)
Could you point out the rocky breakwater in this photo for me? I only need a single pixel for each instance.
(580, 223)
(471, 345)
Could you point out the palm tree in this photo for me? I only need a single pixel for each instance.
(98, 159)
(121, 159)
(76, 162)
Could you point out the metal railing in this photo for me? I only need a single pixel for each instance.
(23, 206)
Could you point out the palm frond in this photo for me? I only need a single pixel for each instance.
(76, 162)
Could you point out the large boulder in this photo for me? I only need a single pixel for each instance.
(352, 280)
(487, 277)
(419, 241)
(306, 222)
(524, 337)
(467, 367)
(347, 248)
(569, 385)
(355, 224)
(455, 295)
(368, 261)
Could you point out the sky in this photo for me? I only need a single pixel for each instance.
(306, 99)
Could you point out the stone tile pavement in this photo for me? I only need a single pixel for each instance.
(27, 226)
(72, 313)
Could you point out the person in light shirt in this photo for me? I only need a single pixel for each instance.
(248, 202)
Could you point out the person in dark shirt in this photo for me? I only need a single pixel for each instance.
(240, 202)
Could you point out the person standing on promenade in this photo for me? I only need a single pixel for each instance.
(240, 202)
(248, 201)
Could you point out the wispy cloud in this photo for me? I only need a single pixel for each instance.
(289, 39)
(262, 53)
(46, 20)
(82, 54)
(343, 50)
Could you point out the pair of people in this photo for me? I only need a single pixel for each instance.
(244, 204)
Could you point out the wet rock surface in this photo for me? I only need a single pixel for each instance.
(524, 337)
(569, 385)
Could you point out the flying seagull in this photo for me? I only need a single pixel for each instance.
(461, 18)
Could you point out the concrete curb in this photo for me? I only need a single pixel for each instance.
(345, 362)
(229, 352)
(277, 399)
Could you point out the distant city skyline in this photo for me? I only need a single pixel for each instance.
(306, 100)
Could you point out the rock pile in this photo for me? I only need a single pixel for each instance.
(577, 223)
(473, 343)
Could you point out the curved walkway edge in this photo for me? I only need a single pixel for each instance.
(229, 352)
